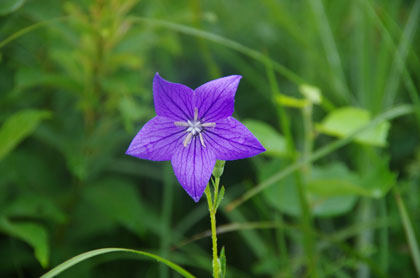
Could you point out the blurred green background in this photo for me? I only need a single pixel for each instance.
(76, 86)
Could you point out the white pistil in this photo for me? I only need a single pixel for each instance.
(194, 128)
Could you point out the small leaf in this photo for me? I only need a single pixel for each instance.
(291, 101)
(10, 6)
(379, 179)
(32, 233)
(19, 126)
(344, 121)
(274, 143)
(222, 260)
(311, 93)
(220, 197)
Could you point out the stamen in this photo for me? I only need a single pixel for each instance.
(181, 124)
(195, 114)
(188, 139)
(208, 124)
(202, 140)
(194, 127)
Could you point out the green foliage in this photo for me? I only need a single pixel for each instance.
(32, 233)
(76, 86)
(332, 190)
(273, 142)
(19, 126)
(10, 6)
(344, 121)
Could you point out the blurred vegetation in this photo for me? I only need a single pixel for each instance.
(331, 88)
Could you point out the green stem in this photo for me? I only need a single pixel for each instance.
(308, 243)
(212, 210)
(409, 231)
(384, 238)
(307, 148)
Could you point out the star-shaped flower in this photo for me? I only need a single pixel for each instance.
(193, 128)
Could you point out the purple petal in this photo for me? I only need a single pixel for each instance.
(215, 99)
(231, 140)
(193, 165)
(157, 140)
(172, 100)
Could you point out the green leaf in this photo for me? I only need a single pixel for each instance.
(32, 205)
(222, 259)
(32, 233)
(344, 121)
(82, 257)
(379, 179)
(333, 206)
(10, 6)
(19, 126)
(119, 201)
(335, 179)
(323, 201)
(274, 143)
(220, 197)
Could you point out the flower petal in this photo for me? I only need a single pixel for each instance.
(157, 140)
(231, 140)
(215, 99)
(172, 100)
(193, 165)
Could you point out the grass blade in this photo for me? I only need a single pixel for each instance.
(331, 50)
(222, 41)
(401, 55)
(409, 83)
(409, 231)
(82, 257)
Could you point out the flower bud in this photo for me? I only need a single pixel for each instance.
(218, 168)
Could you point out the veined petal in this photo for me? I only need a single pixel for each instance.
(215, 99)
(193, 165)
(231, 140)
(172, 100)
(157, 140)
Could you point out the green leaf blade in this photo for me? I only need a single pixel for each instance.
(274, 142)
(18, 127)
(87, 255)
(344, 121)
(33, 234)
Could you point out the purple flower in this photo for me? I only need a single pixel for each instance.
(193, 128)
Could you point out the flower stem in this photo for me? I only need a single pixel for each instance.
(307, 221)
(212, 210)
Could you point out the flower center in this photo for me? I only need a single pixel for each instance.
(194, 127)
